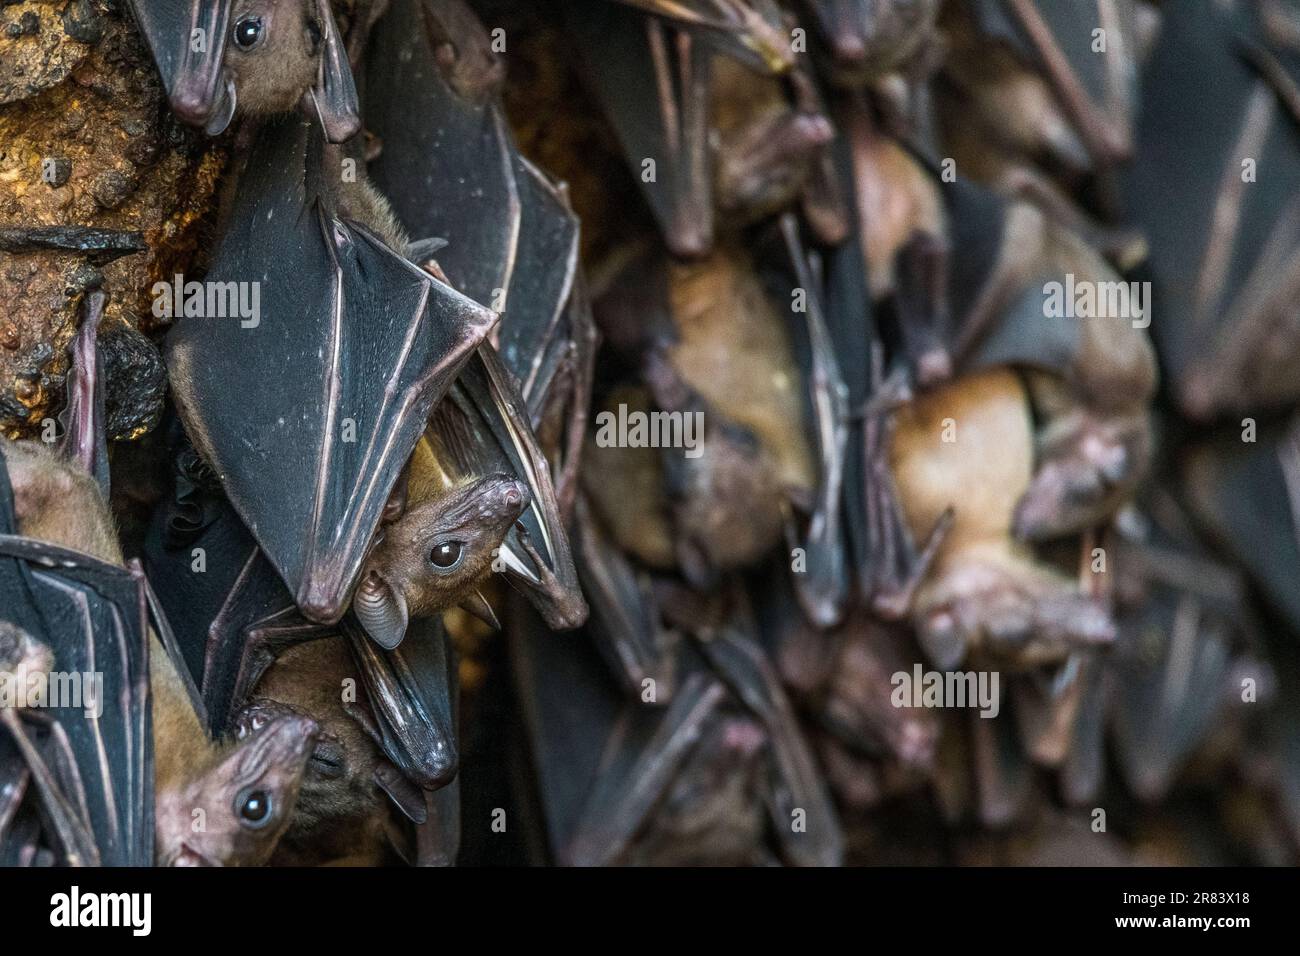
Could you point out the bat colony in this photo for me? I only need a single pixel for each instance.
(872, 383)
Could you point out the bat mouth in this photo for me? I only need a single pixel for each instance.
(186, 855)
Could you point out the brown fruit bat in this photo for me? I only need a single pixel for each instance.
(717, 139)
(214, 803)
(219, 58)
(439, 551)
(969, 446)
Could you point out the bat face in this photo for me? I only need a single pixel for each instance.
(434, 553)
(257, 57)
(247, 797)
(868, 38)
(272, 53)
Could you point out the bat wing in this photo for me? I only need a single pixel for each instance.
(750, 30)
(309, 416)
(483, 428)
(188, 41)
(92, 617)
(822, 587)
(570, 708)
(412, 693)
(1225, 252)
(625, 622)
(653, 82)
(447, 164)
(545, 267)
(797, 784)
(642, 756)
(1093, 74)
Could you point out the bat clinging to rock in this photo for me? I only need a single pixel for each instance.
(146, 759)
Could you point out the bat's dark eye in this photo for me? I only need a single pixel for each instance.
(447, 555)
(248, 32)
(254, 808)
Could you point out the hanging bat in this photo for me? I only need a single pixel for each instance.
(309, 415)
(751, 30)
(869, 38)
(625, 782)
(236, 618)
(1223, 252)
(1182, 651)
(253, 57)
(1090, 377)
(713, 143)
(986, 590)
(119, 771)
(510, 241)
(351, 785)
(1086, 52)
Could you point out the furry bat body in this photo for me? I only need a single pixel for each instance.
(138, 804)
(309, 416)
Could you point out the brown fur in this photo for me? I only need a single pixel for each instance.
(341, 811)
(273, 76)
(61, 504)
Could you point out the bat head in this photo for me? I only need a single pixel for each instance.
(430, 558)
(873, 37)
(258, 57)
(278, 51)
(246, 798)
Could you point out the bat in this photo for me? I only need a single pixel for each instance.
(753, 31)
(1179, 654)
(621, 781)
(1223, 259)
(652, 80)
(119, 770)
(1087, 52)
(511, 241)
(868, 38)
(255, 57)
(822, 588)
(237, 618)
(309, 416)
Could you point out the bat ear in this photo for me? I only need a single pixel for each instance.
(335, 92)
(381, 611)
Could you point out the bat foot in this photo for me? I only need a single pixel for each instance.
(1009, 608)
(1082, 479)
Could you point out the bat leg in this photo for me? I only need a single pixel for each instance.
(1087, 466)
(898, 566)
(921, 304)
